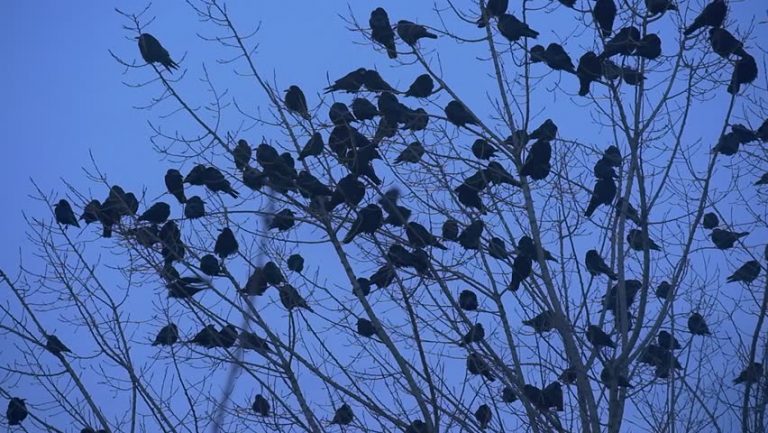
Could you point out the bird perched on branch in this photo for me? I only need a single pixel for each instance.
(296, 102)
(713, 15)
(167, 336)
(153, 52)
(747, 273)
(64, 214)
(596, 265)
(381, 31)
(411, 32)
(513, 29)
(604, 13)
(352, 82)
(493, 8)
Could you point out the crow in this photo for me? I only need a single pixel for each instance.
(352, 82)
(483, 416)
(282, 220)
(340, 115)
(226, 244)
(91, 212)
(343, 415)
(363, 109)
(55, 346)
(216, 182)
(513, 29)
(250, 341)
(174, 183)
(611, 377)
(349, 190)
(242, 153)
(209, 265)
(599, 338)
(497, 249)
(296, 102)
(667, 341)
(158, 213)
(612, 155)
(604, 170)
(521, 269)
(751, 374)
(656, 7)
(17, 411)
(450, 230)
(422, 87)
(260, 405)
(744, 72)
(596, 265)
(469, 238)
(542, 322)
(535, 396)
(482, 149)
(493, 8)
(383, 277)
(555, 57)
(724, 239)
(547, 131)
(713, 15)
(167, 336)
(459, 115)
(763, 179)
(468, 300)
(649, 47)
(635, 241)
(604, 13)
(375, 83)
(411, 32)
(381, 31)
(553, 395)
(208, 337)
(603, 194)
(476, 365)
(420, 237)
(195, 208)
(290, 298)
(368, 220)
(631, 213)
(697, 325)
(412, 153)
(508, 395)
(153, 52)
(724, 43)
(624, 42)
(257, 283)
(475, 334)
(710, 221)
(64, 214)
(469, 197)
(663, 289)
(588, 70)
(747, 272)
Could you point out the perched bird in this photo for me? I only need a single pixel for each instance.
(547, 131)
(152, 52)
(630, 289)
(535, 396)
(290, 298)
(209, 265)
(556, 58)
(422, 87)
(363, 109)
(663, 289)
(537, 161)
(420, 237)
(366, 328)
(521, 270)
(596, 265)
(242, 153)
(611, 377)
(751, 374)
(412, 153)
(415, 120)
(208, 337)
(309, 186)
(468, 300)
(763, 179)
(649, 47)
(568, 376)
(167, 336)
(656, 7)
(196, 176)
(459, 115)
(710, 221)
(91, 212)
(744, 72)
(604, 170)
(713, 15)
(697, 325)
(296, 102)
(55, 346)
(483, 416)
(227, 336)
(417, 426)
(17, 411)
(588, 70)
(631, 76)
(226, 244)
(64, 214)
(352, 82)
(411, 32)
(469, 197)
(375, 83)
(612, 155)
(295, 263)
(724, 43)
(482, 149)
(250, 341)
(260, 405)
(667, 341)
(728, 144)
(599, 338)
(469, 238)
(724, 239)
(282, 220)
(744, 134)
(631, 213)
(216, 182)
(383, 277)
(348, 190)
(185, 287)
(542, 322)
(254, 179)
(604, 13)
(497, 249)
(635, 241)
(174, 183)
(343, 415)
(553, 395)
(476, 365)
(314, 146)
(381, 31)
(508, 395)
(362, 288)
(747, 273)
(369, 219)
(450, 230)
(272, 274)
(513, 29)
(526, 246)
(340, 115)
(475, 334)
(158, 213)
(256, 284)
(493, 8)
(195, 208)
(396, 215)
(603, 194)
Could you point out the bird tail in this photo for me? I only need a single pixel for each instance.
(742, 234)
(590, 210)
(584, 87)
(106, 232)
(692, 28)
(181, 197)
(170, 65)
(430, 35)
(734, 87)
(233, 193)
(514, 284)
(612, 275)
(392, 52)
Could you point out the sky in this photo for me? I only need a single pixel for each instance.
(66, 98)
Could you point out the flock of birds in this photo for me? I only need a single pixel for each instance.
(153, 228)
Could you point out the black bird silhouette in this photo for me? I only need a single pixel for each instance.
(483, 416)
(64, 214)
(558, 59)
(508, 395)
(596, 265)
(482, 149)
(400, 257)
(553, 395)
(381, 31)
(185, 287)
(196, 176)
(526, 246)
(611, 299)
(748, 272)
(450, 230)
(612, 155)
(250, 341)
(209, 265)
(728, 144)
(724, 239)
(493, 8)
(603, 194)
(420, 237)
(257, 283)
(363, 109)
(363, 287)
(631, 76)
(459, 115)
(282, 220)
(762, 131)
(668, 342)
(195, 208)
(421, 87)
(521, 269)
(477, 365)
(763, 179)
(55, 346)
(542, 322)
(611, 377)
(713, 15)
(340, 115)
(366, 328)
(568, 376)
(349, 190)
(375, 83)
(537, 161)
(167, 336)
(260, 405)
(468, 300)
(226, 244)
(412, 153)
(513, 29)
(697, 325)
(208, 337)
(296, 101)
(158, 213)
(724, 43)
(369, 219)
(242, 154)
(751, 374)
(469, 197)
(604, 169)
(290, 298)
(649, 47)
(415, 120)
(744, 72)
(624, 42)
(744, 134)
(396, 215)
(604, 13)
(547, 131)
(146, 236)
(17, 411)
(475, 334)
(599, 338)
(391, 108)
(91, 212)
(352, 82)
(417, 426)
(663, 289)
(383, 277)
(469, 238)
(309, 186)
(314, 146)
(153, 52)
(659, 6)
(710, 221)
(227, 336)
(497, 249)
(295, 263)
(535, 396)
(411, 32)
(174, 182)
(343, 415)
(635, 241)
(216, 182)
(588, 70)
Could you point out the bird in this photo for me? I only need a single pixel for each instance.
(493, 8)
(535, 396)
(242, 153)
(588, 70)
(475, 334)
(411, 32)
(369, 219)
(373, 81)
(713, 15)
(366, 328)
(513, 29)
(91, 212)
(762, 131)
(214, 180)
(207, 337)
(363, 109)
(226, 244)
(194, 208)
(391, 108)
(227, 336)
(542, 322)
(728, 144)
(497, 249)
(420, 237)
(209, 265)
(554, 56)
(656, 7)
(260, 405)
(381, 31)
(710, 221)
(663, 289)
(631, 76)
(17, 411)
(568, 376)
(747, 273)
(596, 265)
(751, 374)
(469, 238)
(383, 277)
(362, 287)
(458, 114)
(282, 220)
(483, 416)
(257, 283)
(412, 153)
(553, 395)
(481, 149)
(604, 13)
(630, 289)
(724, 239)
(697, 325)
(537, 161)
(611, 377)
(744, 134)
(450, 230)
(290, 298)
(547, 131)
(185, 287)
(343, 415)
(526, 246)
(174, 183)
(64, 214)
(153, 52)
(55, 346)
(468, 300)
(631, 213)
(415, 120)
(744, 72)
(604, 170)
(309, 186)
(295, 263)
(396, 215)
(422, 87)
(763, 179)
(476, 365)
(612, 155)
(469, 197)
(649, 47)
(508, 395)
(603, 194)
(637, 243)
(196, 176)
(348, 190)
(497, 175)
(167, 336)
(250, 341)
(340, 115)
(724, 43)
(624, 42)
(296, 102)
(158, 213)
(667, 341)
(350, 83)
(599, 338)
(314, 147)
(521, 269)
